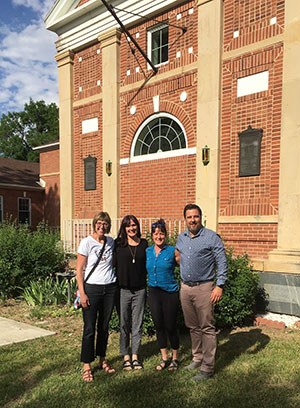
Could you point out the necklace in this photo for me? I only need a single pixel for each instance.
(132, 253)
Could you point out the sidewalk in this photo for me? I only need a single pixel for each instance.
(16, 332)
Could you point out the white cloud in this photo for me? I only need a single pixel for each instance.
(39, 6)
(27, 65)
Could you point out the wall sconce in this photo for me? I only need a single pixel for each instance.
(108, 167)
(205, 155)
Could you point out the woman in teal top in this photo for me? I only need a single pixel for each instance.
(163, 294)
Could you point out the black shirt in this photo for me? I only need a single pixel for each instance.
(131, 275)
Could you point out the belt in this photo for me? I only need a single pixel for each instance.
(191, 284)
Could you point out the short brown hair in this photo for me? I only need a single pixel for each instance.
(102, 216)
(192, 207)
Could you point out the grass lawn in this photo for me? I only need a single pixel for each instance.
(255, 367)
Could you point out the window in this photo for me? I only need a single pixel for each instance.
(158, 44)
(160, 133)
(1, 209)
(24, 210)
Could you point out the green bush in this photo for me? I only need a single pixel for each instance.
(27, 256)
(241, 294)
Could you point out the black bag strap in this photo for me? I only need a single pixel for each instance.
(97, 262)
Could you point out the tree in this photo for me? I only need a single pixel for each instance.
(21, 131)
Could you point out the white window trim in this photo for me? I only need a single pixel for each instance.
(24, 198)
(149, 43)
(1, 209)
(161, 155)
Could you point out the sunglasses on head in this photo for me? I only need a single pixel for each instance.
(158, 224)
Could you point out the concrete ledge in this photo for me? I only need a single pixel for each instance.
(16, 332)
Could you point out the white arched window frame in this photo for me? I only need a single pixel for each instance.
(159, 155)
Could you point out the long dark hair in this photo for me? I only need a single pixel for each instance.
(122, 236)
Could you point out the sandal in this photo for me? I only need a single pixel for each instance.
(162, 365)
(106, 367)
(87, 375)
(173, 365)
(137, 365)
(127, 365)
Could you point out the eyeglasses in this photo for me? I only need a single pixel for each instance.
(102, 224)
(158, 224)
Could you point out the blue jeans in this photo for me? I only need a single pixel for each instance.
(102, 301)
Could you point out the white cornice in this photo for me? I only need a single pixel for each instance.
(79, 26)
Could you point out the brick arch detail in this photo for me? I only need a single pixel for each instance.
(167, 107)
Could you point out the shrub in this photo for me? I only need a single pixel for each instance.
(241, 293)
(26, 256)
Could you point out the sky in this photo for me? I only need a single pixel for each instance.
(27, 65)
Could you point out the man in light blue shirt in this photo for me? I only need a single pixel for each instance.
(200, 250)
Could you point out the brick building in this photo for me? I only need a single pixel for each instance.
(50, 177)
(29, 192)
(21, 192)
(217, 124)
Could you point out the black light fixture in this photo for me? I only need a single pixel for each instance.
(108, 167)
(205, 155)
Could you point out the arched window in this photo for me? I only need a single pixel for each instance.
(160, 133)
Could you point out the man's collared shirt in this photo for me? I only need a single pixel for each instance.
(199, 255)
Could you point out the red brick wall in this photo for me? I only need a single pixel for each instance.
(256, 240)
(49, 172)
(87, 72)
(177, 42)
(49, 162)
(87, 203)
(255, 195)
(10, 204)
(252, 19)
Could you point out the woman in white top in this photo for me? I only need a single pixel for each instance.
(97, 293)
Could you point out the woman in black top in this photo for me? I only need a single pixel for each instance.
(130, 263)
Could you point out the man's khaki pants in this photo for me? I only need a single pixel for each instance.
(198, 317)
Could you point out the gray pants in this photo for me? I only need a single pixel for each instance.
(132, 304)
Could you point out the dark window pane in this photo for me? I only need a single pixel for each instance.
(164, 54)
(23, 217)
(175, 144)
(165, 144)
(165, 36)
(144, 150)
(156, 39)
(182, 141)
(148, 139)
(154, 146)
(137, 148)
(165, 130)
